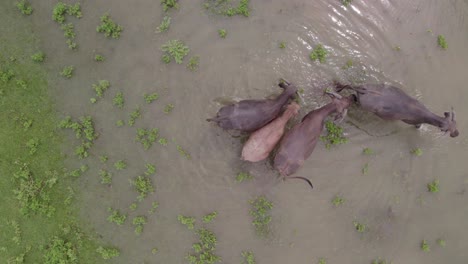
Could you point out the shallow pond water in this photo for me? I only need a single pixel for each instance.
(388, 41)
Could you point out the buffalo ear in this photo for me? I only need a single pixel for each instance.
(446, 114)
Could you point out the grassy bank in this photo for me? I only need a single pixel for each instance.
(38, 221)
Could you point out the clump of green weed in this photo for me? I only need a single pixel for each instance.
(433, 186)
(7, 75)
(204, 248)
(38, 56)
(193, 63)
(60, 251)
(84, 127)
(417, 152)
(24, 7)
(67, 72)
(243, 176)
(165, 24)
(222, 33)
(154, 251)
(346, 2)
(367, 151)
(116, 216)
(174, 49)
(425, 246)
(149, 98)
(143, 186)
(183, 152)
(134, 115)
(71, 44)
(150, 169)
(147, 137)
(379, 261)
(361, 228)
(58, 13)
(139, 222)
(168, 108)
(248, 257)
(101, 87)
(106, 177)
(118, 100)
(163, 141)
(75, 10)
(335, 135)
(188, 221)
(68, 30)
(133, 206)
(103, 158)
(120, 165)
(109, 27)
(441, 242)
(154, 206)
(322, 261)
(120, 123)
(32, 144)
(260, 211)
(98, 57)
(168, 4)
(82, 150)
(108, 253)
(225, 7)
(318, 53)
(282, 45)
(338, 200)
(209, 217)
(442, 42)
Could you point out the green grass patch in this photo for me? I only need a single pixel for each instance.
(98, 57)
(442, 42)
(243, 176)
(319, 53)
(119, 100)
(334, 135)
(24, 7)
(134, 115)
(260, 211)
(108, 252)
(149, 98)
(116, 217)
(101, 87)
(38, 57)
(67, 72)
(169, 4)
(174, 50)
(433, 186)
(187, 221)
(165, 24)
(228, 8)
(248, 257)
(193, 63)
(147, 137)
(143, 186)
(138, 223)
(204, 248)
(209, 217)
(109, 27)
(39, 220)
(222, 33)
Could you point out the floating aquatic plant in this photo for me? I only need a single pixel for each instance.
(109, 27)
(260, 211)
(318, 53)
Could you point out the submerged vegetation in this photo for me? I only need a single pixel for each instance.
(174, 50)
(319, 53)
(109, 27)
(260, 211)
(226, 7)
(334, 135)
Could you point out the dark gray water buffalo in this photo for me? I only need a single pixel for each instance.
(391, 103)
(299, 142)
(250, 115)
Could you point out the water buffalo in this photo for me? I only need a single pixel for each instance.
(262, 141)
(391, 103)
(299, 142)
(250, 115)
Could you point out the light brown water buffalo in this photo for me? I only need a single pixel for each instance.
(392, 103)
(250, 115)
(299, 142)
(264, 140)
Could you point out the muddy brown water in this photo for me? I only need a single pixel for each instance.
(392, 199)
